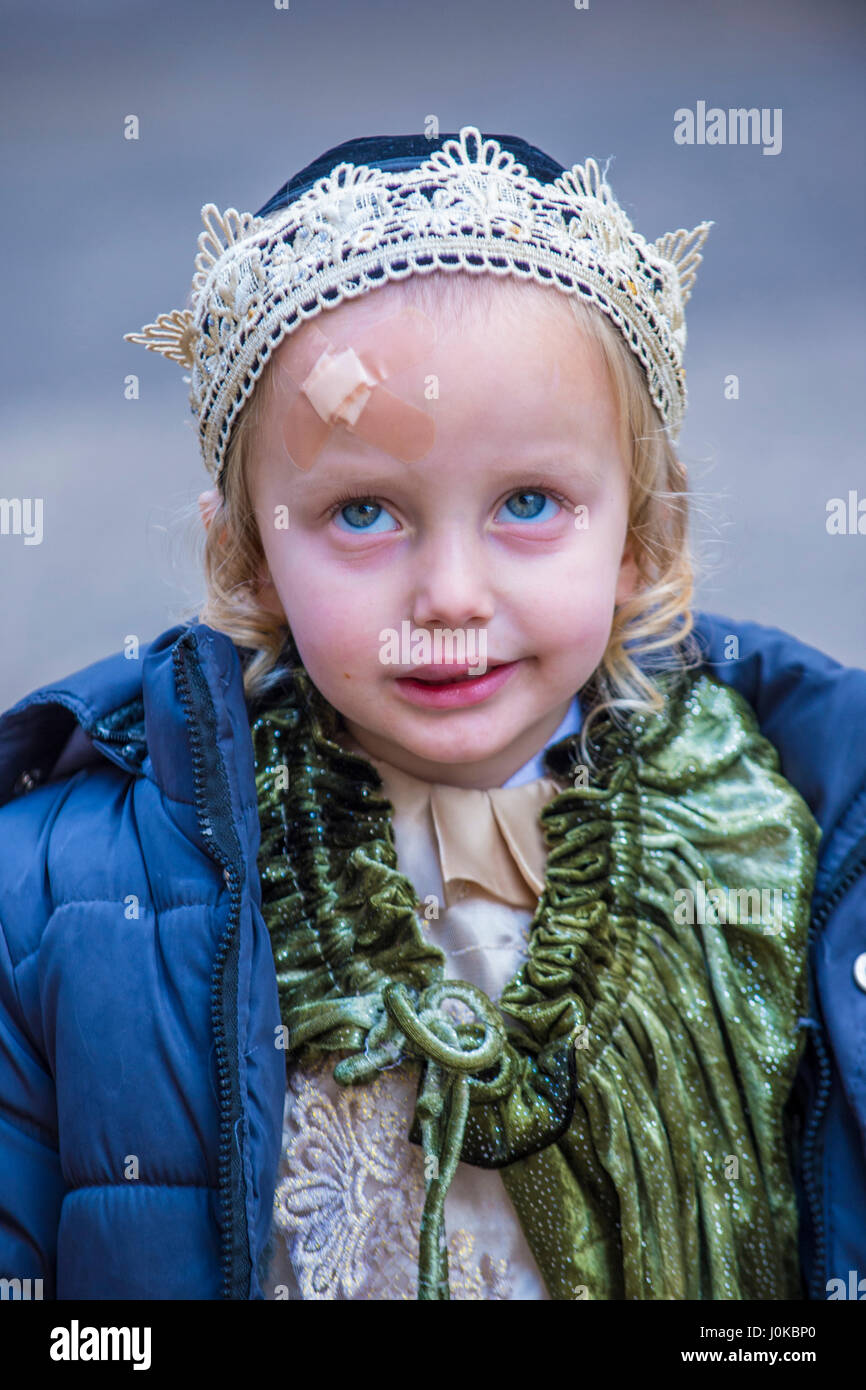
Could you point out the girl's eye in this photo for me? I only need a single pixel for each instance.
(530, 506)
(363, 516)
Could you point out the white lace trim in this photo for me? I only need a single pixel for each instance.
(351, 1191)
(471, 206)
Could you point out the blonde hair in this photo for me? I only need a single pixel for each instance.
(650, 630)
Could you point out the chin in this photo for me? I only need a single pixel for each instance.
(441, 748)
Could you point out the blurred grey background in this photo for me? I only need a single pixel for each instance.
(233, 96)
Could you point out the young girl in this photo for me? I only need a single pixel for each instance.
(433, 916)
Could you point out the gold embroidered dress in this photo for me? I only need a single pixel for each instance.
(628, 1142)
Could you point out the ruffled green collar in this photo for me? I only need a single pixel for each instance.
(358, 977)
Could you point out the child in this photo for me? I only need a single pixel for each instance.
(443, 887)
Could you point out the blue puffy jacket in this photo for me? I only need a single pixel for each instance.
(141, 1093)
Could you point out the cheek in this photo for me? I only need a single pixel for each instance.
(580, 626)
(329, 614)
(575, 581)
(569, 605)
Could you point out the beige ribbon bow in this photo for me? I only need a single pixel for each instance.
(489, 838)
(493, 839)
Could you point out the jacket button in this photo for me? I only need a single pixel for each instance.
(27, 781)
(860, 970)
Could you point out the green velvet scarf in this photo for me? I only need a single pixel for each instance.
(630, 1083)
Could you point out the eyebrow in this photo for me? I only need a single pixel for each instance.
(537, 468)
(555, 466)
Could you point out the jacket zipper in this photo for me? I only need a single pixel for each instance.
(211, 791)
(811, 1182)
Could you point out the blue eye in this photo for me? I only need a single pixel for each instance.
(363, 516)
(529, 506)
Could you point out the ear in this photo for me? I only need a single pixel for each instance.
(629, 579)
(208, 503)
(266, 594)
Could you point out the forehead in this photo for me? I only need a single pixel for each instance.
(518, 325)
(510, 363)
(457, 302)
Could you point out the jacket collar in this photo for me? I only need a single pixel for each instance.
(125, 710)
(807, 704)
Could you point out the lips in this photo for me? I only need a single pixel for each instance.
(443, 675)
(451, 687)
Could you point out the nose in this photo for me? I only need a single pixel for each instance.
(452, 583)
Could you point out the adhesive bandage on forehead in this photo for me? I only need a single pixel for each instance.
(342, 385)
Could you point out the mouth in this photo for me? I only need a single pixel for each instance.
(453, 687)
(446, 675)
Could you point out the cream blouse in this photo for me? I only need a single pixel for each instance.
(350, 1189)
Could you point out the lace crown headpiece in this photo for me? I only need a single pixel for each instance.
(470, 206)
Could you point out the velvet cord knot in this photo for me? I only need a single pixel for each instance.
(451, 1052)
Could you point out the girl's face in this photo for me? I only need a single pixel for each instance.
(512, 530)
